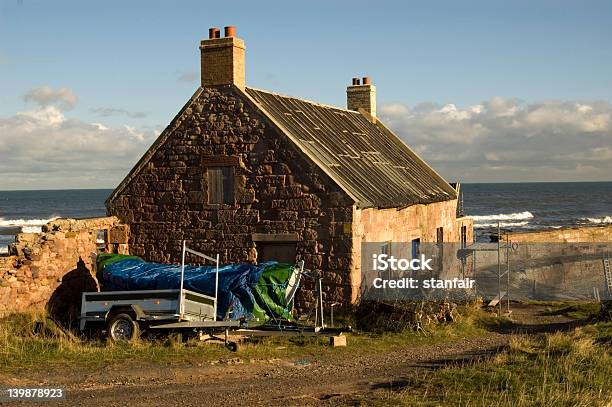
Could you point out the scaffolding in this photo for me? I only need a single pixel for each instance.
(608, 276)
(503, 270)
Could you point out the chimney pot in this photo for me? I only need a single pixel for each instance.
(355, 81)
(366, 80)
(230, 31)
(214, 32)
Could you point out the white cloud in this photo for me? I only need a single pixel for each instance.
(46, 96)
(394, 109)
(42, 148)
(505, 139)
(189, 77)
(113, 111)
(500, 139)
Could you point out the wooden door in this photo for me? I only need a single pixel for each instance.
(281, 252)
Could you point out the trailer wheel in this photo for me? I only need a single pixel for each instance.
(122, 328)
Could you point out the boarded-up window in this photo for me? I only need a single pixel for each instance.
(440, 235)
(463, 236)
(221, 185)
(281, 252)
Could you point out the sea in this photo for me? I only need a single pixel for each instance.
(515, 206)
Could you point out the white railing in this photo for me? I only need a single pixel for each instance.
(205, 257)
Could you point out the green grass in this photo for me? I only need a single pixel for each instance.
(28, 341)
(556, 369)
(601, 332)
(577, 311)
(560, 369)
(493, 323)
(570, 309)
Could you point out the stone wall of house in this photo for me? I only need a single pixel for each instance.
(277, 191)
(51, 269)
(404, 225)
(565, 235)
(412, 222)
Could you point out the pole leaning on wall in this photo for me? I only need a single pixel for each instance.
(216, 285)
(182, 277)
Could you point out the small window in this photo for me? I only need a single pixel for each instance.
(101, 239)
(221, 185)
(440, 235)
(416, 248)
(463, 236)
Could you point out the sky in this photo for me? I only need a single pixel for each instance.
(485, 91)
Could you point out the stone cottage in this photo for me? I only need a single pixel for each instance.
(254, 175)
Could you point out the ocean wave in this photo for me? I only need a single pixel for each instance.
(27, 225)
(26, 222)
(605, 219)
(31, 229)
(503, 216)
(501, 224)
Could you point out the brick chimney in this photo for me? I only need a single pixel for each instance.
(361, 96)
(222, 59)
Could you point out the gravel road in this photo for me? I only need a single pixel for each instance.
(278, 381)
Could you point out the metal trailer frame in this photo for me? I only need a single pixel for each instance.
(161, 319)
(292, 331)
(205, 257)
(295, 329)
(181, 321)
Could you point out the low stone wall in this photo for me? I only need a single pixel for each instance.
(51, 269)
(565, 235)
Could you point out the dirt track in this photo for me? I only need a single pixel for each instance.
(281, 382)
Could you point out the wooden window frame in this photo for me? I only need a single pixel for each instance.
(217, 164)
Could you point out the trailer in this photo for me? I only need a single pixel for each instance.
(126, 313)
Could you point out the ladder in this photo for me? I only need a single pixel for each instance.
(608, 277)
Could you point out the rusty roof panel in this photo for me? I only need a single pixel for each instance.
(363, 157)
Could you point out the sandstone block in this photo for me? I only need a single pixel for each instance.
(119, 234)
(338, 340)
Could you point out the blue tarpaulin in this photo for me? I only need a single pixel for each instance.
(241, 286)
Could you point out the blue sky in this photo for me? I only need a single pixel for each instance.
(123, 61)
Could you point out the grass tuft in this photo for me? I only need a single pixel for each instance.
(570, 309)
(559, 369)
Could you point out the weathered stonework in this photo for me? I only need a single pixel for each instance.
(361, 97)
(51, 269)
(277, 191)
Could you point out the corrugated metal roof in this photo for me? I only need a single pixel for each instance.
(365, 158)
